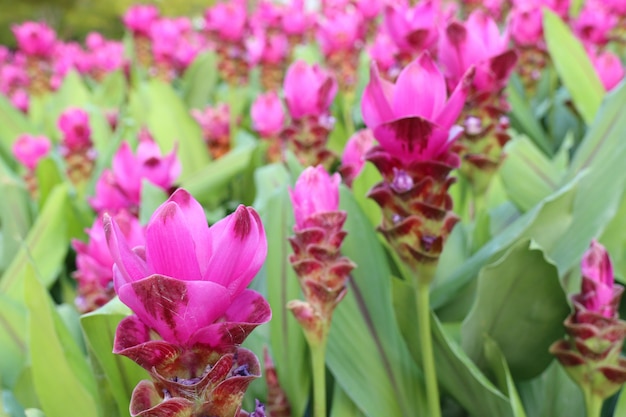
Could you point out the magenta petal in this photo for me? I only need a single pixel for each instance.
(196, 219)
(239, 249)
(173, 308)
(129, 266)
(375, 105)
(126, 171)
(451, 111)
(246, 312)
(420, 89)
(170, 248)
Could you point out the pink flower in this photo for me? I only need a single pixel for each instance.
(340, 31)
(315, 192)
(594, 24)
(609, 68)
(268, 116)
(598, 286)
(413, 119)
(413, 29)
(227, 20)
(295, 20)
(353, 157)
(74, 124)
(369, 8)
(188, 283)
(383, 51)
(309, 90)
(29, 149)
(214, 121)
(94, 263)
(120, 187)
(267, 48)
(478, 42)
(35, 39)
(139, 18)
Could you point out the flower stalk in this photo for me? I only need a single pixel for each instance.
(422, 294)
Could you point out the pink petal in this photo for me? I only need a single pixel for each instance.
(196, 219)
(420, 89)
(375, 104)
(128, 265)
(126, 171)
(239, 249)
(175, 309)
(452, 109)
(170, 248)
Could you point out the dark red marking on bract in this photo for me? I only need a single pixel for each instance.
(243, 222)
(152, 162)
(417, 39)
(456, 33)
(411, 132)
(162, 297)
(168, 212)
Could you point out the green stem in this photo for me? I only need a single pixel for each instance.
(318, 363)
(346, 111)
(593, 403)
(425, 336)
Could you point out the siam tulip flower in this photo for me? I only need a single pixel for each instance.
(94, 262)
(120, 187)
(369, 9)
(413, 123)
(595, 24)
(74, 125)
(383, 52)
(29, 150)
(591, 351)
(296, 21)
(139, 19)
(268, 116)
(227, 20)
(609, 68)
(322, 272)
(215, 124)
(309, 90)
(413, 29)
(35, 39)
(413, 119)
(353, 158)
(270, 50)
(20, 99)
(525, 23)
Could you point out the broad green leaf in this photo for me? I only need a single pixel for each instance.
(458, 376)
(523, 118)
(288, 346)
(158, 106)
(520, 305)
(545, 223)
(61, 376)
(199, 80)
(211, 185)
(362, 184)
(111, 92)
(151, 198)
(121, 375)
(12, 123)
(343, 406)
(9, 406)
(573, 65)
(12, 340)
(620, 407)
(542, 176)
(34, 412)
(44, 249)
(553, 394)
(15, 217)
(366, 352)
(500, 368)
(48, 176)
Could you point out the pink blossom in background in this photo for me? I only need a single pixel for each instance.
(267, 48)
(227, 20)
(370, 9)
(383, 51)
(75, 129)
(526, 25)
(20, 99)
(339, 31)
(214, 121)
(353, 157)
(188, 283)
(413, 29)
(595, 23)
(413, 119)
(609, 68)
(35, 39)
(119, 188)
(309, 90)
(94, 263)
(316, 191)
(30, 149)
(296, 21)
(139, 18)
(268, 116)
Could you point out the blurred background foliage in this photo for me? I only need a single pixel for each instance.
(74, 19)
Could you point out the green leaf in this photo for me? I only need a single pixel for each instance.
(44, 249)
(288, 346)
(456, 373)
(48, 176)
(12, 123)
(158, 106)
(500, 368)
(343, 405)
(12, 340)
(520, 305)
(212, 183)
(15, 217)
(121, 375)
(366, 352)
(151, 198)
(111, 92)
(553, 394)
(573, 65)
(362, 184)
(199, 80)
(61, 376)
